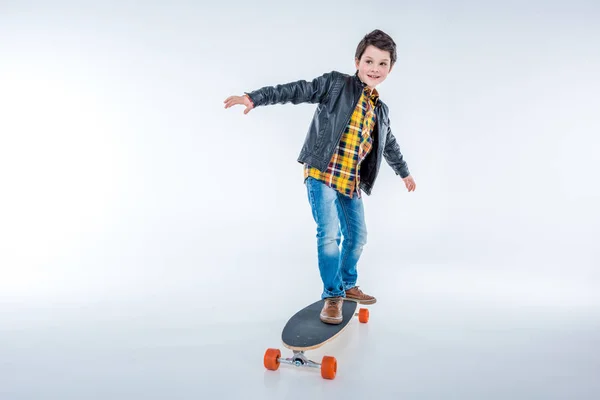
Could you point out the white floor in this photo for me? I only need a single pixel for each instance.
(429, 337)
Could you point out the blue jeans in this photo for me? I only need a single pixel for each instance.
(336, 214)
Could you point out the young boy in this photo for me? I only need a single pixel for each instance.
(347, 139)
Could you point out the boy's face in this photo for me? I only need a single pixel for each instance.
(374, 66)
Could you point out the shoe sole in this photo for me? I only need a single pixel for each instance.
(332, 321)
(361, 301)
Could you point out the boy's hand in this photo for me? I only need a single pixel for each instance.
(410, 183)
(245, 100)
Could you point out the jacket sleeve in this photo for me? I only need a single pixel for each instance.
(297, 92)
(393, 156)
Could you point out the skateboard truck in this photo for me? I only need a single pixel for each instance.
(300, 360)
(328, 365)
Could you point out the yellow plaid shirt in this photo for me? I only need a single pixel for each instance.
(342, 173)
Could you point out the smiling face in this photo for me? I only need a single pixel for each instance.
(374, 66)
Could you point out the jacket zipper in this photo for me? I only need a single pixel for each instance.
(349, 116)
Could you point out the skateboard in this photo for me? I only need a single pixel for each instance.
(305, 331)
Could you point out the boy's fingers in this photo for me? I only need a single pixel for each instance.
(231, 99)
(230, 102)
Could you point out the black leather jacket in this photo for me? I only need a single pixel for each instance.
(337, 95)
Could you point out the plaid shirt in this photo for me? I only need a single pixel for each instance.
(342, 174)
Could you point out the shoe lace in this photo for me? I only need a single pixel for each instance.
(357, 288)
(334, 302)
(360, 293)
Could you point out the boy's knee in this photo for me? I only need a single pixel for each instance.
(328, 231)
(361, 239)
(358, 241)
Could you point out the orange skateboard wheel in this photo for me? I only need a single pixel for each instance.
(363, 315)
(271, 359)
(328, 367)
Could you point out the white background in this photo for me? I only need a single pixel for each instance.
(153, 244)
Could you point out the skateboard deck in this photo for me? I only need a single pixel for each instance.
(305, 331)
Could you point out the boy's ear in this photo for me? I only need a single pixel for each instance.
(356, 62)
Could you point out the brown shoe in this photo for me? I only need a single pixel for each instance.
(332, 310)
(355, 294)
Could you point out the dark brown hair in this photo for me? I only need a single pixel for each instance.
(379, 39)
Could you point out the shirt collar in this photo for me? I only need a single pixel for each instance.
(373, 94)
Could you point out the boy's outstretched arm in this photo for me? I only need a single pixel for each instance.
(395, 159)
(297, 92)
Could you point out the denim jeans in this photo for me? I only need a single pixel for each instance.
(336, 214)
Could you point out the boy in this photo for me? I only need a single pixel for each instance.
(347, 139)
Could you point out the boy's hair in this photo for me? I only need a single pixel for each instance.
(379, 39)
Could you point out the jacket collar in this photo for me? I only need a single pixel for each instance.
(358, 81)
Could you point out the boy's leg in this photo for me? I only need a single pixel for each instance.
(323, 204)
(354, 229)
(323, 200)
